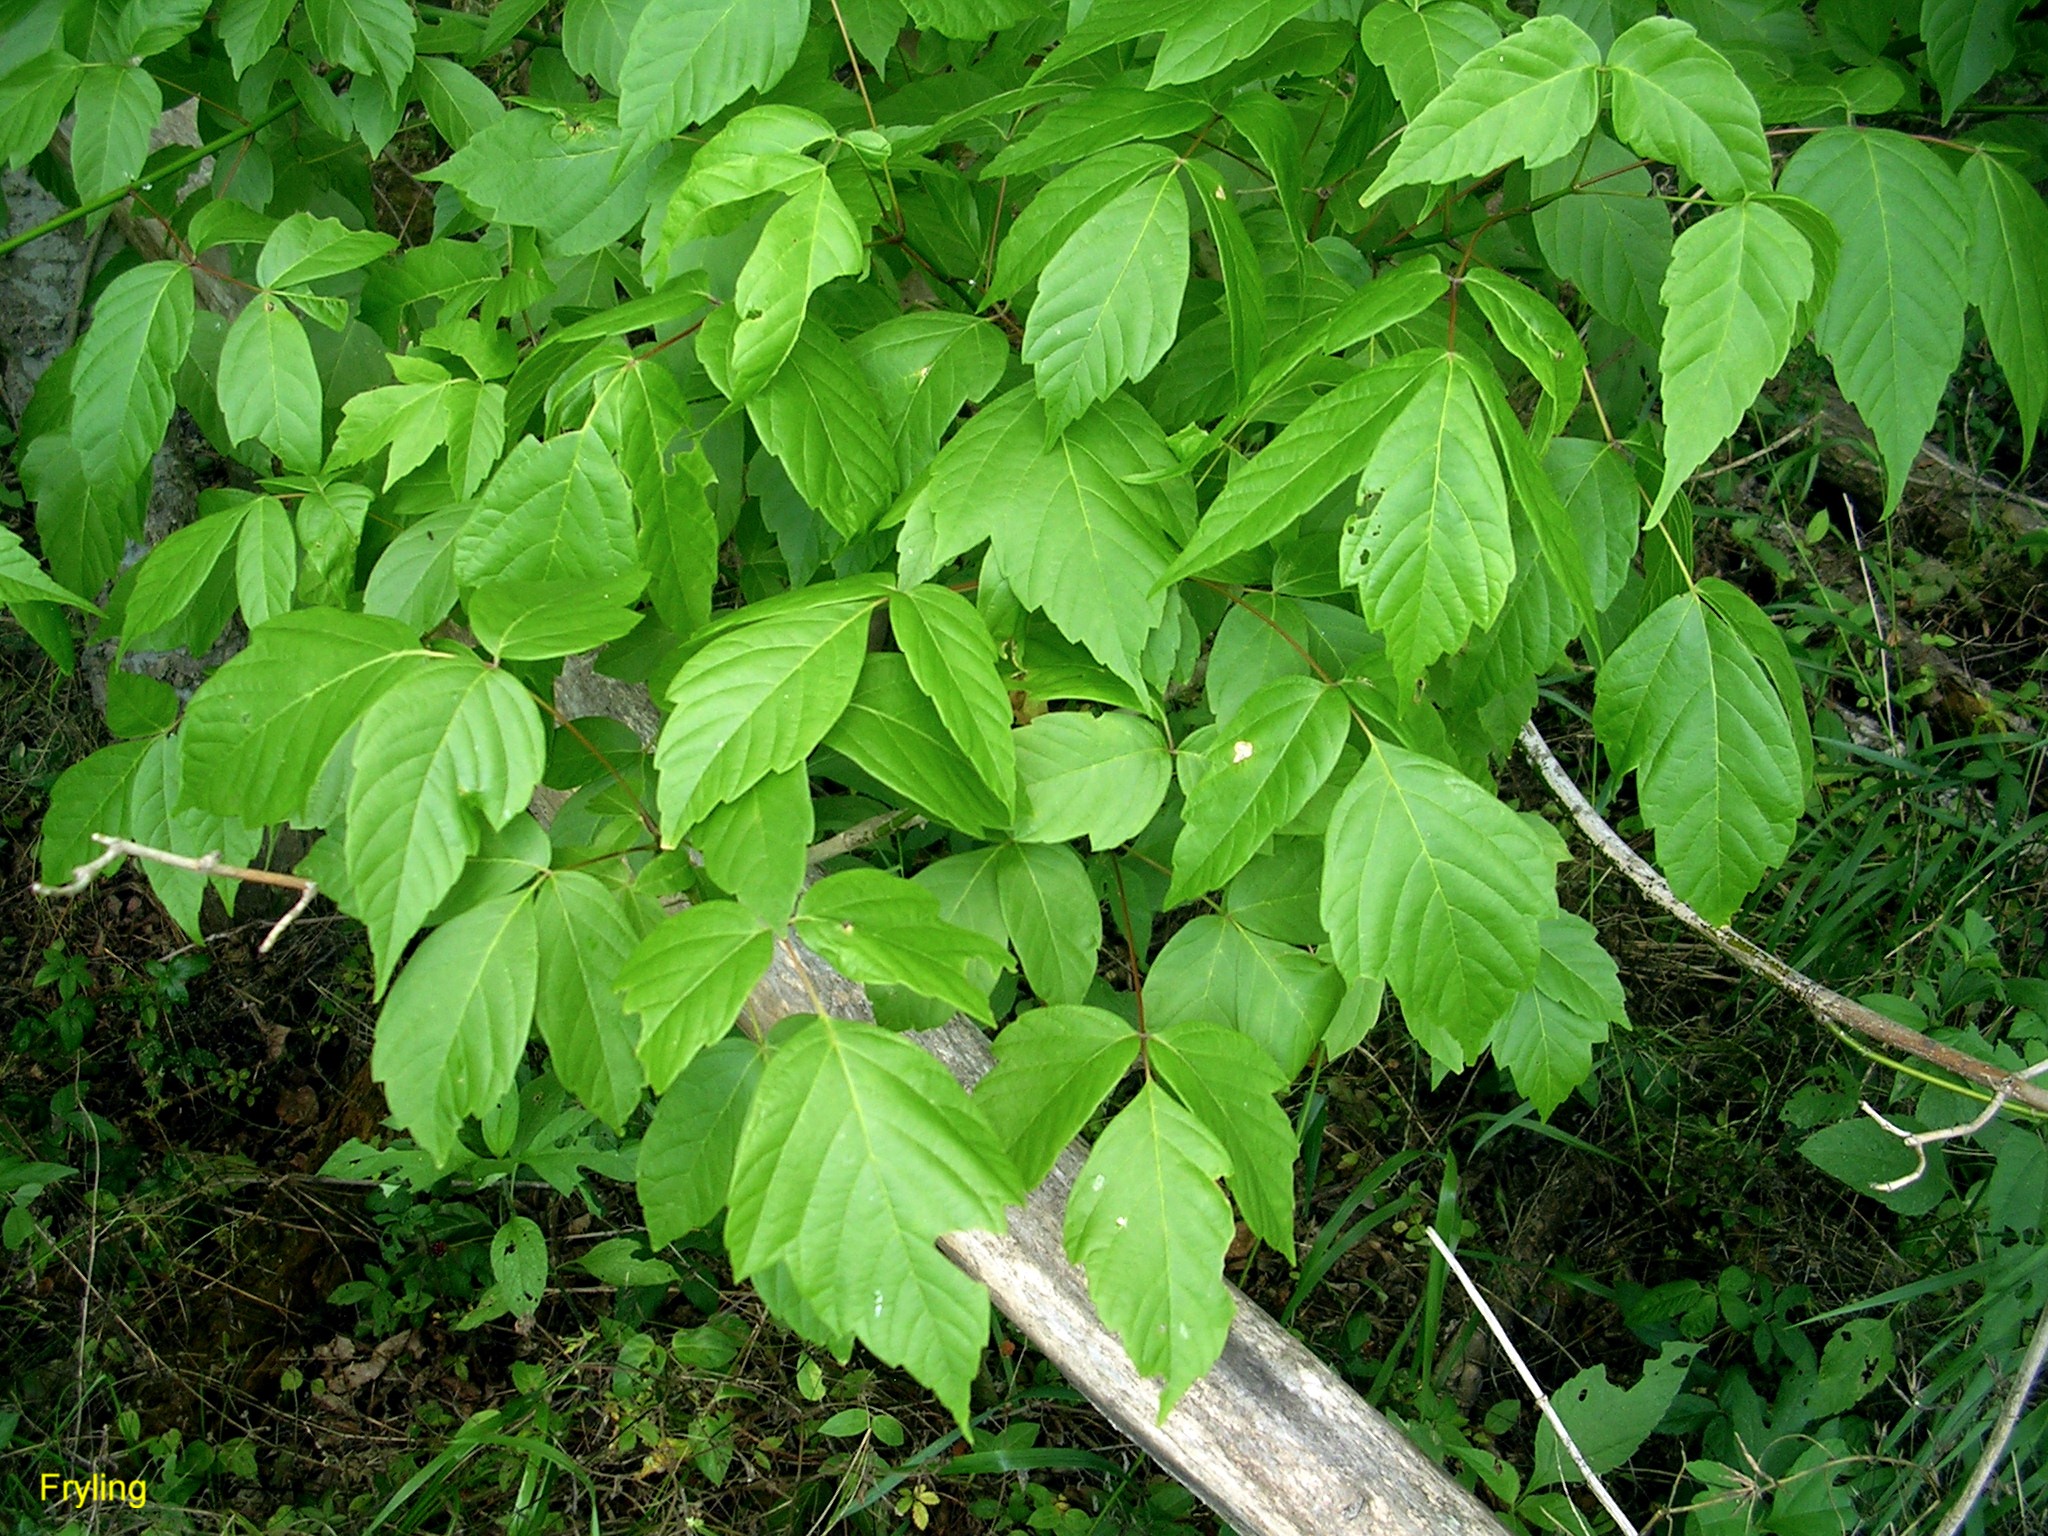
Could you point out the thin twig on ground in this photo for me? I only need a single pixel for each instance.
(2001, 1435)
(1822, 1001)
(118, 848)
(1500, 1336)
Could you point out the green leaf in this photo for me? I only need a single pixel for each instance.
(1893, 321)
(1108, 302)
(1052, 917)
(459, 105)
(859, 1151)
(1244, 285)
(250, 28)
(594, 37)
(1677, 100)
(121, 387)
(23, 580)
(584, 940)
(451, 744)
(555, 511)
(2008, 285)
(1101, 119)
(1766, 643)
(1215, 970)
(1435, 887)
(536, 620)
(305, 249)
(1530, 327)
(1684, 704)
(1228, 1084)
(258, 732)
(173, 575)
(1066, 203)
(1599, 490)
(1054, 1067)
(821, 420)
(893, 732)
(688, 980)
(687, 59)
(1548, 1036)
(1732, 294)
(1532, 97)
(1856, 1361)
(924, 366)
(1149, 1225)
(878, 928)
(1205, 38)
(1327, 444)
(755, 701)
(1422, 48)
(367, 37)
(116, 107)
(32, 103)
(1083, 775)
(639, 413)
(954, 663)
(90, 796)
(1612, 240)
(1968, 41)
(84, 523)
(453, 1030)
(1082, 529)
(1267, 760)
(266, 562)
(414, 581)
(1608, 1424)
(269, 385)
(807, 242)
(757, 846)
(1434, 556)
(579, 183)
(686, 1157)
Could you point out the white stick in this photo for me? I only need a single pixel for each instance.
(1536, 1391)
(1994, 1449)
(205, 864)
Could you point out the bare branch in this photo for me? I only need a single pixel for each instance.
(860, 834)
(1500, 1337)
(1920, 1141)
(1822, 1001)
(118, 848)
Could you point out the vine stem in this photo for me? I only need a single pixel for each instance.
(1823, 1001)
(205, 864)
(177, 167)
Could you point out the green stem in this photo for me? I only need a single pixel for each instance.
(176, 168)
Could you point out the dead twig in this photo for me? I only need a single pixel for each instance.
(2001, 1435)
(118, 848)
(1920, 1141)
(1500, 1336)
(1822, 1001)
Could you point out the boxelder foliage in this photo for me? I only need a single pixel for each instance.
(1153, 444)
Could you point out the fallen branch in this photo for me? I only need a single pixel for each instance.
(1271, 1439)
(1543, 1404)
(1822, 1001)
(118, 848)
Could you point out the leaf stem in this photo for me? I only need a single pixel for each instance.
(142, 184)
